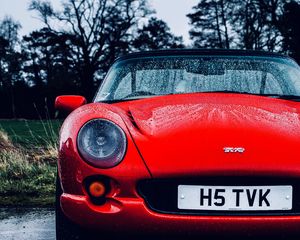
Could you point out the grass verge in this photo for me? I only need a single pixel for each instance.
(31, 133)
(27, 174)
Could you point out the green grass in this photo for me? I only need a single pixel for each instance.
(28, 162)
(31, 132)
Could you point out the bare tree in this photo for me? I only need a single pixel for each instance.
(9, 29)
(98, 31)
(10, 59)
(210, 21)
(156, 35)
(248, 24)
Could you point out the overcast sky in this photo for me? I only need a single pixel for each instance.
(172, 11)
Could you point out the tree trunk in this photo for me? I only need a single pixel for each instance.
(218, 26)
(225, 24)
(88, 86)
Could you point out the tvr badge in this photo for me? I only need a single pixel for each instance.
(234, 149)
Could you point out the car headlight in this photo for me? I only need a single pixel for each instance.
(102, 143)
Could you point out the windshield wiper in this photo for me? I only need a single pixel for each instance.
(285, 97)
(279, 96)
(117, 100)
(126, 99)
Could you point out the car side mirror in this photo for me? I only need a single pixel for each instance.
(69, 103)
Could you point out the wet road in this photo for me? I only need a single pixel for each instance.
(39, 224)
(21, 224)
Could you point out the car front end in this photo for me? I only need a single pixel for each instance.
(182, 162)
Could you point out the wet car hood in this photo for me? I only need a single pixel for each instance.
(185, 135)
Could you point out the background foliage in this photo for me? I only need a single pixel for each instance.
(28, 155)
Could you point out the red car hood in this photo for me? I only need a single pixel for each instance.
(185, 135)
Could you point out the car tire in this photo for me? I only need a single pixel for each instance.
(65, 228)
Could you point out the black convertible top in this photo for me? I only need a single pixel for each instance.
(195, 52)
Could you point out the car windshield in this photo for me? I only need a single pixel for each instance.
(157, 76)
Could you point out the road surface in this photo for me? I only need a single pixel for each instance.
(21, 224)
(39, 224)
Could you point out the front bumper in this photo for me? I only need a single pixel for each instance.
(131, 215)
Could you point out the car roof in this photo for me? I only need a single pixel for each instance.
(199, 52)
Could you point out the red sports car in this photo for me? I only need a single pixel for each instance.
(183, 142)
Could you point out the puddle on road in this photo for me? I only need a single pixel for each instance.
(25, 223)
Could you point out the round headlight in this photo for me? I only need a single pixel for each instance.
(102, 143)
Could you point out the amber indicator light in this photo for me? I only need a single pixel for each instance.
(97, 189)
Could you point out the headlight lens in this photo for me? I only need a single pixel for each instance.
(102, 143)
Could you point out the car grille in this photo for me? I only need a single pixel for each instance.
(160, 195)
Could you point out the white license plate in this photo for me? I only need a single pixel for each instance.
(235, 198)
